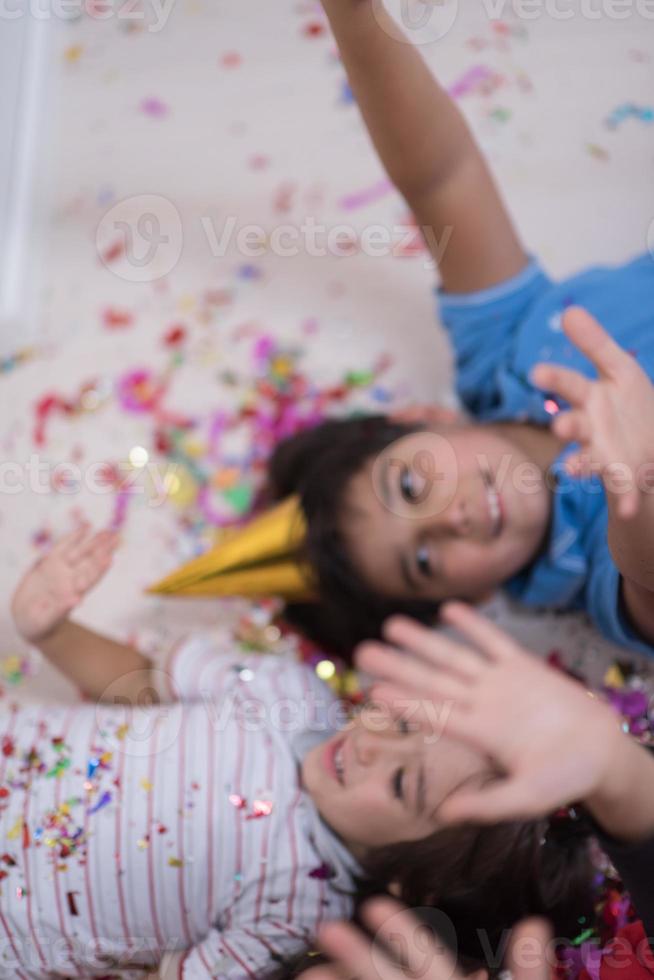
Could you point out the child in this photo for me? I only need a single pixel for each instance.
(404, 513)
(219, 832)
(553, 746)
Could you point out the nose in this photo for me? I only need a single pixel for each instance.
(454, 519)
(370, 745)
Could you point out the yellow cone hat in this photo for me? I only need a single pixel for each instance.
(260, 559)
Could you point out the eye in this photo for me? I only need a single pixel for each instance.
(403, 726)
(409, 486)
(423, 561)
(398, 788)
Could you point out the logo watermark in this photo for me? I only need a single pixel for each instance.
(151, 15)
(141, 239)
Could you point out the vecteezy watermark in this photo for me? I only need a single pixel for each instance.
(151, 15)
(428, 942)
(321, 240)
(141, 238)
(426, 21)
(418, 477)
(81, 952)
(39, 476)
(562, 10)
(404, 477)
(416, 21)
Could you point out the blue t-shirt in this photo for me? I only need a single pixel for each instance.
(499, 335)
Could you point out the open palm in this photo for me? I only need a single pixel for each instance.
(551, 740)
(59, 581)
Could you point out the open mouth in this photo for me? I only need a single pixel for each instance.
(334, 760)
(495, 508)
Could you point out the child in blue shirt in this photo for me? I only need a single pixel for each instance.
(405, 513)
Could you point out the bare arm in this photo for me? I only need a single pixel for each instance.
(427, 150)
(103, 669)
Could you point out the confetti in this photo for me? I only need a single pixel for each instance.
(115, 319)
(628, 110)
(363, 198)
(104, 800)
(155, 108)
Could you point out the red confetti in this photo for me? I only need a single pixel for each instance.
(315, 29)
(72, 904)
(4, 792)
(115, 319)
(8, 746)
(113, 252)
(175, 336)
(231, 60)
(260, 808)
(238, 801)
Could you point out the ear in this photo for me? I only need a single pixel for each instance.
(394, 889)
(427, 415)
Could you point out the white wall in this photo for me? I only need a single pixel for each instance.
(24, 95)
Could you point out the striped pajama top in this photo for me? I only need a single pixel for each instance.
(131, 833)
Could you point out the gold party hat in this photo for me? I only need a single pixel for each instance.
(260, 559)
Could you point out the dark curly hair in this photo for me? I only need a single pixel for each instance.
(472, 884)
(318, 465)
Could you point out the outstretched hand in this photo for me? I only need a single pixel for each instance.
(552, 741)
(417, 955)
(52, 588)
(610, 417)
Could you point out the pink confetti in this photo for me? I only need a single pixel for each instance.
(470, 81)
(154, 107)
(361, 199)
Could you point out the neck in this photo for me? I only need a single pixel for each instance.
(537, 442)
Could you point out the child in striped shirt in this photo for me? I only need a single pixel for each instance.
(205, 817)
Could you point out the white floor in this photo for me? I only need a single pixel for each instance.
(239, 112)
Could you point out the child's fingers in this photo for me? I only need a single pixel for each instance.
(80, 548)
(433, 646)
(593, 340)
(629, 504)
(98, 541)
(495, 643)
(352, 951)
(573, 426)
(505, 799)
(581, 465)
(432, 715)
(70, 542)
(570, 385)
(407, 672)
(529, 950)
(422, 956)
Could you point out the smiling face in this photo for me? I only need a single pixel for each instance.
(377, 785)
(449, 513)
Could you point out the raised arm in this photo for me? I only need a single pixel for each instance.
(427, 150)
(101, 668)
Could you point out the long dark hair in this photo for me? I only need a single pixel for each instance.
(472, 884)
(318, 465)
